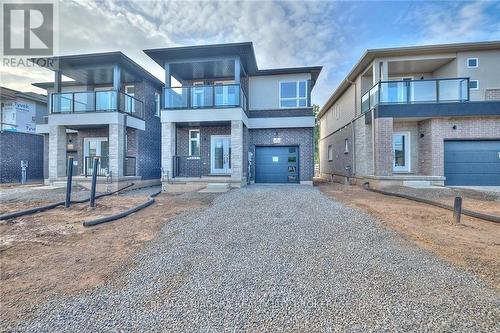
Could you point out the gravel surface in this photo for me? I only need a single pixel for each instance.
(41, 193)
(279, 258)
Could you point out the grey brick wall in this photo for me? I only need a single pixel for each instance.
(492, 95)
(191, 167)
(383, 146)
(15, 147)
(340, 161)
(149, 140)
(302, 137)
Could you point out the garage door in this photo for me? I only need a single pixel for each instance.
(276, 165)
(472, 162)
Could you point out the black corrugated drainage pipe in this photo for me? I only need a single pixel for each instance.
(150, 201)
(468, 212)
(54, 205)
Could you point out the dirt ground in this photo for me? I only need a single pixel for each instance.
(51, 253)
(474, 245)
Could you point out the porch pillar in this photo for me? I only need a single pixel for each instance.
(57, 152)
(117, 82)
(237, 150)
(168, 79)
(383, 128)
(168, 133)
(116, 147)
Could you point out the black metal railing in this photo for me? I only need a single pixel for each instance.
(96, 101)
(416, 91)
(207, 96)
(102, 168)
(130, 166)
(187, 166)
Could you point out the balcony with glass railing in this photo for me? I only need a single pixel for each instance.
(206, 96)
(96, 101)
(415, 92)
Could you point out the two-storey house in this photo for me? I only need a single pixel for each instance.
(416, 116)
(109, 110)
(225, 120)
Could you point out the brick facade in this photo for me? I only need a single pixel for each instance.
(341, 164)
(16, 147)
(302, 137)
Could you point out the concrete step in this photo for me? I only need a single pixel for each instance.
(218, 186)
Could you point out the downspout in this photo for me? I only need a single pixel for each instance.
(353, 170)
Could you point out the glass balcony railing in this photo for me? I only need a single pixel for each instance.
(214, 96)
(96, 101)
(416, 91)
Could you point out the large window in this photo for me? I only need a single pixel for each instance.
(157, 104)
(293, 94)
(194, 142)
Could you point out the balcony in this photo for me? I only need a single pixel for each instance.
(454, 90)
(207, 97)
(96, 101)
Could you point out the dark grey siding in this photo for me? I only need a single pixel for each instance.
(16, 147)
(301, 137)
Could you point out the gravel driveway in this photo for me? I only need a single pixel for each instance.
(279, 258)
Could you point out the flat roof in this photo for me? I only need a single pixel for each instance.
(82, 67)
(371, 54)
(244, 51)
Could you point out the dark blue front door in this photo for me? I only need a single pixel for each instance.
(277, 164)
(471, 162)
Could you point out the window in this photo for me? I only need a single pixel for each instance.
(293, 94)
(472, 63)
(194, 142)
(474, 84)
(157, 104)
(330, 153)
(346, 146)
(401, 152)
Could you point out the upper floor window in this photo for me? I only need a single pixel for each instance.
(293, 94)
(157, 104)
(474, 84)
(194, 142)
(472, 63)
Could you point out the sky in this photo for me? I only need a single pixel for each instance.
(285, 34)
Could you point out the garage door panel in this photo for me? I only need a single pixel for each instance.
(276, 164)
(472, 162)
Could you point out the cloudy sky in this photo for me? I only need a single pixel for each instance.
(285, 34)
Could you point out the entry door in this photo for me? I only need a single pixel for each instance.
(401, 152)
(220, 154)
(95, 147)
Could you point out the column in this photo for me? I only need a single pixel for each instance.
(57, 152)
(236, 150)
(168, 79)
(168, 133)
(116, 150)
(117, 84)
(383, 146)
(237, 70)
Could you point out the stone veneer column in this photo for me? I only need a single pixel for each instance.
(168, 132)
(383, 146)
(116, 150)
(57, 152)
(236, 150)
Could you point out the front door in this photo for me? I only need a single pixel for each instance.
(95, 147)
(220, 154)
(401, 152)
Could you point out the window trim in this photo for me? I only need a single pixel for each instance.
(330, 149)
(297, 98)
(346, 146)
(477, 62)
(477, 84)
(194, 139)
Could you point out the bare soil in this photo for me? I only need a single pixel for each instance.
(51, 253)
(473, 245)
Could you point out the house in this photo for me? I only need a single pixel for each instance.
(19, 143)
(109, 110)
(225, 120)
(416, 116)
